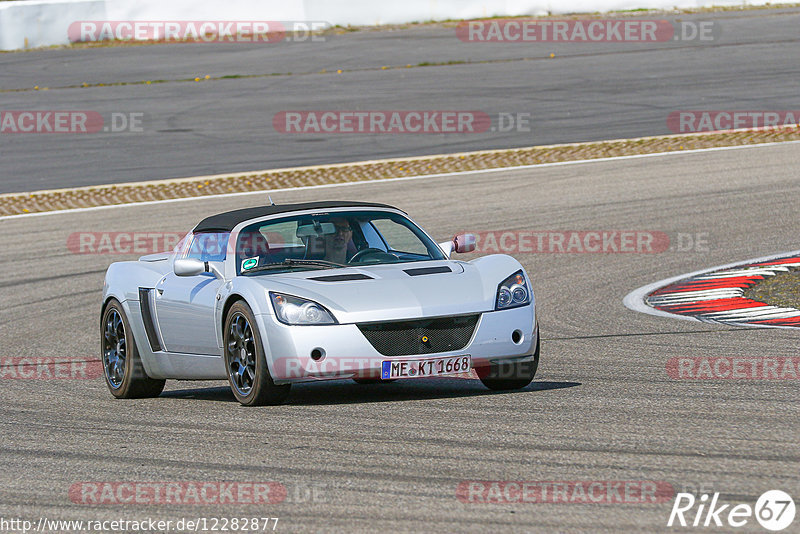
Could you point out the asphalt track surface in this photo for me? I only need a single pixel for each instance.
(588, 92)
(390, 457)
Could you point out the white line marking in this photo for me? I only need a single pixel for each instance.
(635, 300)
(744, 312)
(389, 180)
(753, 314)
(664, 301)
(705, 294)
(755, 271)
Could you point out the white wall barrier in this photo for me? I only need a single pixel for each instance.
(35, 23)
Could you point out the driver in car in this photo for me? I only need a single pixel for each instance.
(336, 243)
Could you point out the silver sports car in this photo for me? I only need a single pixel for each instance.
(264, 297)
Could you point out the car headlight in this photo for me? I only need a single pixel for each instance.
(296, 311)
(513, 292)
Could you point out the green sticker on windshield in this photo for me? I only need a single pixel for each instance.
(249, 263)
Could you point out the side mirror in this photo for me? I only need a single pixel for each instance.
(194, 267)
(461, 243)
(188, 267)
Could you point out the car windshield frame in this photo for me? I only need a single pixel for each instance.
(296, 242)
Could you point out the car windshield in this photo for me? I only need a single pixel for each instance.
(332, 240)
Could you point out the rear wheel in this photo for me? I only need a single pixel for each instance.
(510, 375)
(245, 362)
(122, 367)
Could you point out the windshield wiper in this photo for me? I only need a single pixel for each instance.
(296, 263)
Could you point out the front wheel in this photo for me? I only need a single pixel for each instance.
(508, 375)
(245, 362)
(122, 367)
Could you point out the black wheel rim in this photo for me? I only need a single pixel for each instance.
(241, 354)
(115, 349)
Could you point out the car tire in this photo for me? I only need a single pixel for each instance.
(245, 363)
(506, 376)
(124, 374)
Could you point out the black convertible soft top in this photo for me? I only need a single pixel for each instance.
(225, 222)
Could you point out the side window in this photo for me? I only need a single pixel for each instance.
(399, 237)
(208, 247)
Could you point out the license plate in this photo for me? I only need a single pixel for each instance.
(392, 370)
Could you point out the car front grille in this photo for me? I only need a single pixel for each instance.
(424, 336)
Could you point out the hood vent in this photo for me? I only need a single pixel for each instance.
(341, 277)
(428, 270)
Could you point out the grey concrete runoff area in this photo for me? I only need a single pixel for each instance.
(585, 92)
(361, 458)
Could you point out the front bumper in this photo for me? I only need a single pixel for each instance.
(346, 353)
